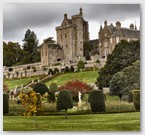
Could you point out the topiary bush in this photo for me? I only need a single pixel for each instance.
(53, 87)
(97, 101)
(51, 97)
(80, 65)
(64, 101)
(40, 88)
(130, 99)
(5, 103)
(136, 99)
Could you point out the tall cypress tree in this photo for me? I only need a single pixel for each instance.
(30, 48)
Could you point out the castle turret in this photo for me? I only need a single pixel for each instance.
(81, 12)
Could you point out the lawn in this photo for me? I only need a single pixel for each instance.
(87, 76)
(12, 83)
(90, 122)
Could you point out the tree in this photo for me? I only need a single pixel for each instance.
(40, 88)
(80, 65)
(126, 80)
(12, 54)
(124, 54)
(30, 48)
(64, 101)
(29, 102)
(97, 101)
(75, 86)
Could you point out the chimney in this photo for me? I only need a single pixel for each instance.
(81, 12)
(118, 24)
(105, 23)
(131, 26)
(65, 16)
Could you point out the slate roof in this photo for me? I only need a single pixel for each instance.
(124, 32)
(54, 46)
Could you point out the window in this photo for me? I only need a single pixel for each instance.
(80, 49)
(65, 35)
(61, 36)
(46, 53)
(66, 46)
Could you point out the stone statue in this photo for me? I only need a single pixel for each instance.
(79, 95)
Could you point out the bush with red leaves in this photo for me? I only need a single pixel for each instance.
(74, 87)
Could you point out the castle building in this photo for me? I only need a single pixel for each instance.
(71, 36)
(111, 35)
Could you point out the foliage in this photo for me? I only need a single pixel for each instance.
(29, 101)
(53, 87)
(5, 103)
(80, 65)
(74, 87)
(5, 88)
(126, 80)
(64, 101)
(40, 88)
(124, 54)
(12, 53)
(97, 101)
(136, 99)
(130, 98)
(51, 97)
(30, 48)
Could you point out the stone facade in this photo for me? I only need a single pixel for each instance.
(72, 34)
(111, 35)
(50, 53)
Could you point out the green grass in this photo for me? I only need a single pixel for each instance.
(13, 82)
(91, 122)
(87, 76)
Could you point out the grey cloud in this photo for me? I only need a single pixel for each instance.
(18, 16)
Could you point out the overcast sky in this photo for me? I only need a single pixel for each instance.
(43, 18)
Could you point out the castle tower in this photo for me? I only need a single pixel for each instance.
(72, 34)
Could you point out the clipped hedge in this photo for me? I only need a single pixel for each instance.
(97, 101)
(5, 103)
(130, 98)
(136, 99)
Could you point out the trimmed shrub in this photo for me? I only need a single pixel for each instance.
(130, 99)
(51, 97)
(136, 99)
(80, 65)
(5, 103)
(64, 101)
(40, 88)
(97, 101)
(39, 104)
(53, 87)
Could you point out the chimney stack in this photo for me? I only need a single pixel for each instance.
(132, 26)
(65, 16)
(118, 24)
